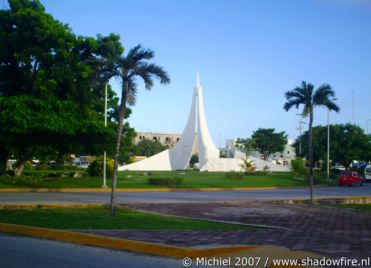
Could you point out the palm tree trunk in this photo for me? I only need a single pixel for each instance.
(20, 166)
(122, 111)
(3, 162)
(310, 152)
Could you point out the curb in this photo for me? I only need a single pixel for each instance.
(119, 244)
(50, 205)
(329, 200)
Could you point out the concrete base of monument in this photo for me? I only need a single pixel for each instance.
(235, 164)
(162, 162)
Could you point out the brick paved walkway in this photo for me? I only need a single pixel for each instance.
(327, 231)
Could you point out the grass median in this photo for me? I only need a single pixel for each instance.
(99, 218)
(362, 207)
(132, 179)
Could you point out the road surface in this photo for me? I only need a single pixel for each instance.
(184, 196)
(21, 251)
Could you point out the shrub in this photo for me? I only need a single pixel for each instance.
(298, 167)
(96, 167)
(53, 175)
(26, 181)
(41, 167)
(64, 167)
(260, 172)
(165, 181)
(233, 175)
(27, 165)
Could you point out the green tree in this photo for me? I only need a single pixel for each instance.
(245, 145)
(308, 97)
(45, 68)
(348, 142)
(266, 141)
(148, 147)
(128, 68)
(127, 146)
(298, 166)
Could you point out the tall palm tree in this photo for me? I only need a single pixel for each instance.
(127, 68)
(305, 95)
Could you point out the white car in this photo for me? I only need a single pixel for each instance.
(339, 167)
(84, 165)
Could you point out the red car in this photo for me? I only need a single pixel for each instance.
(350, 178)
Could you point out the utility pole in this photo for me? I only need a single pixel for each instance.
(328, 142)
(104, 185)
(353, 108)
(328, 145)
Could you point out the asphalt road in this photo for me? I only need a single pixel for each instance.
(184, 196)
(21, 251)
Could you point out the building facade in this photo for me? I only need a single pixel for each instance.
(168, 139)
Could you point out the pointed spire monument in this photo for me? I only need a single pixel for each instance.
(178, 157)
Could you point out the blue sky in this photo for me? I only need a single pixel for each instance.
(248, 54)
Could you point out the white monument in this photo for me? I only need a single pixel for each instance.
(177, 158)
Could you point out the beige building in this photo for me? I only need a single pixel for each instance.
(169, 139)
(164, 138)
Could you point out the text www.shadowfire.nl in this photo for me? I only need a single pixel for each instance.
(266, 262)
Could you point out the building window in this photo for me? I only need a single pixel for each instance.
(154, 138)
(177, 139)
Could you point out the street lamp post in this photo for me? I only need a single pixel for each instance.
(104, 185)
(300, 128)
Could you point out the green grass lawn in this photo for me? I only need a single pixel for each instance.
(99, 218)
(135, 179)
(364, 207)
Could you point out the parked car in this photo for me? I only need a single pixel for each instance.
(368, 173)
(83, 165)
(338, 167)
(350, 178)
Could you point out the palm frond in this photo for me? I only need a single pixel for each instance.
(143, 54)
(294, 98)
(149, 71)
(300, 95)
(138, 53)
(324, 96)
(323, 93)
(130, 91)
(293, 102)
(295, 93)
(156, 71)
(332, 106)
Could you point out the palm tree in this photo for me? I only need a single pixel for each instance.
(127, 69)
(305, 95)
(248, 166)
